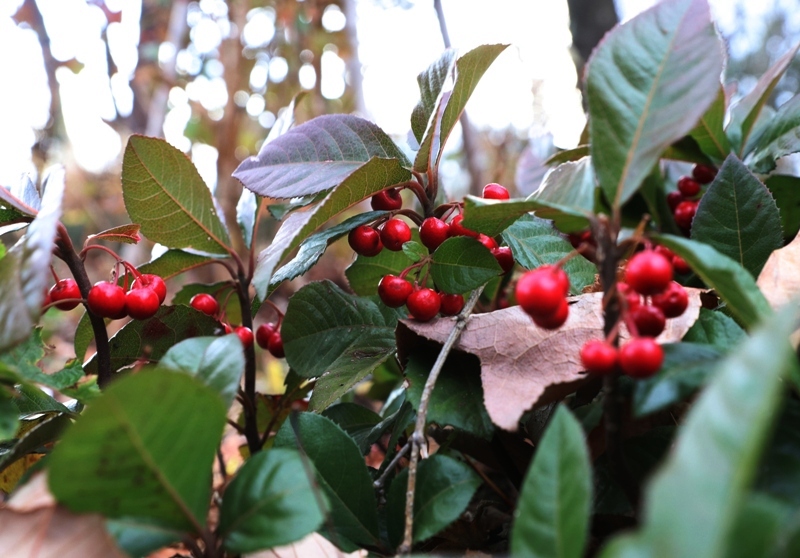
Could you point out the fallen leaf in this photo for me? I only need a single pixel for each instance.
(523, 364)
(312, 546)
(779, 280)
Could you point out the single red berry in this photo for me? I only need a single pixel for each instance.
(673, 302)
(107, 300)
(641, 357)
(704, 174)
(632, 298)
(451, 304)
(680, 265)
(649, 320)
(264, 332)
(583, 237)
(540, 292)
(554, 320)
(433, 232)
(648, 272)
(504, 257)
(684, 214)
(394, 291)
(228, 328)
(387, 200)
(689, 187)
(141, 303)
(151, 281)
(487, 241)
(275, 345)
(205, 303)
(394, 234)
(423, 304)
(245, 335)
(365, 241)
(457, 229)
(673, 199)
(65, 288)
(495, 192)
(599, 357)
(664, 251)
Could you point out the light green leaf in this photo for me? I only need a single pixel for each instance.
(785, 189)
(431, 82)
(716, 329)
(780, 137)
(462, 264)
(709, 133)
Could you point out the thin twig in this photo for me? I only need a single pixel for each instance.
(418, 437)
(378, 484)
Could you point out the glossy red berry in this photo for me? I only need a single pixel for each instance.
(674, 199)
(632, 298)
(154, 282)
(704, 174)
(205, 303)
(487, 241)
(680, 265)
(556, 319)
(664, 251)
(457, 229)
(684, 214)
(648, 272)
(495, 192)
(599, 357)
(394, 234)
(649, 320)
(275, 346)
(540, 292)
(423, 304)
(365, 241)
(228, 328)
(107, 300)
(689, 187)
(264, 332)
(141, 303)
(433, 232)
(387, 200)
(394, 291)
(63, 289)
(451, 304)
(245, 335)
(673, 302)
(504, 257)
(641, 357)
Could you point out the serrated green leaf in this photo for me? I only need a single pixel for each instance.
(358, 421)
(738, 217)
(30, 400)
(552, 518)
(127, 234)
(173, 262)
(785, 190)
(780, 137)
(648, 83)
(365, 273)
(270, 503)
(165, 194)
(431, 82)
(461, 264)
(25, 356)
(716, 329)
(414, 250)
(124, 459)
(709, 133)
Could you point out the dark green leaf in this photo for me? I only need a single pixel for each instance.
(779, 471)
(140, 540)
(365, 273)
(687, 150)
(709, 133)
(648, 83)
(165, 194)
(716, 329)
(414, 250)
(430, 83)
(552, 518)
(567, 155)
(47, 430)
(738, 217)
(232, 310)
(127, 234)
(462, 264)
(30, 400)
(780, 137)
(126, 459)
(269, 503)
(25, 356)
(492, 217)
(757, 527)
(786, 191)
(84, 335)
(358, 421)
(9, 418)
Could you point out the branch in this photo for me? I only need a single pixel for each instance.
(250, 406)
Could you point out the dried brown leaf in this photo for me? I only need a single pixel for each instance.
(779, 280)
(312, 546)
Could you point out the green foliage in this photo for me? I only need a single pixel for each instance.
(431, 82)
(709, 132)
(780, 137)
(462, 264)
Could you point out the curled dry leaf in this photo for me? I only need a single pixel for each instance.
(314, 545)
(779, 279)
(522, 364)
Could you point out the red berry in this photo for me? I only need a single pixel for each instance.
(704, 174)
(107, 300)
(673, 199)
(228, 328)
(365, 241)
(648, 272)
(151, 281)
(451, 304)
(487, 241)
(649, 320)
(641, 357)
(387, 200)
(275, 345)
(504, 257)
(205, 303)
(495, 192)
(263, 333)
(433, 232)
(576, 239)
(457, 229)
(65, 288)
(540, 292)
(394, 291)
(423, 304)
(684, 214)
(141, 303)
(673, 302)
(632, 298)
(689, 187)
(598, 357)
(680, 265)
(394, 234)
(554, 320)
(245, 335)
(664, 251)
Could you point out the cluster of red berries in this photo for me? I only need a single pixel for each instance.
(683, 202)
(423, 303)
(108, 300)
(649, 297)
(542, 293)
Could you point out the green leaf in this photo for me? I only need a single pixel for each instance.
(341, 472)
(47, 430)
(738, 217)
(19, 201)
(757, 529)
(84, 335)
(139, 540)
(314, 246)
(370, 178)
(535, 242)
(30, 400)
(431, 82)
(25, 356)
(567, 155)
(126, 459)
(785, 190)
(552, 518)
(717, 450)
(316, 156)
(469, 70)
(173, 262)
(716, 329)
(270, 503)
(365, 273)
(779, 470)
(165, 194)
(780, 137)
(456, 400)
(709, 133)
(731, 281)
(9, 418)
(492, 217)
(127, 234)
(414, 250)
(246, 215)
(745, 113)
(461, 264)
(444, 488)
(217, 361)
(648, 83)
(358, 421)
